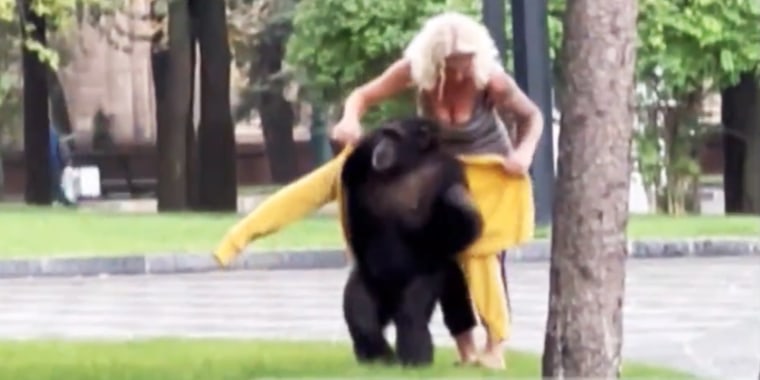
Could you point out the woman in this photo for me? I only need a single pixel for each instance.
(453, 65)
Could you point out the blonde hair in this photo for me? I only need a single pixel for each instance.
(445, 34)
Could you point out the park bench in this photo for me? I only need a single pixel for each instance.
(117, 174)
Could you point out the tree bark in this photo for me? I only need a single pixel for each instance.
(177, 96)
(741, 145)
(277, 114)
(217, 172)
(140, 49)
(751, 193)
(191, 142)
(159, 60)
(38, 190)
(589, 246)
(59, 108)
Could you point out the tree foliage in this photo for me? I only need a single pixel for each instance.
(689, 44)
(686, 50)
(338, 44)
(10, 84)
(698, 43)
(58, 15)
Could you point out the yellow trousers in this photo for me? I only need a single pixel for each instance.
(505, 203)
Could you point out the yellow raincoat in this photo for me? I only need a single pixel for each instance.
(505, 202)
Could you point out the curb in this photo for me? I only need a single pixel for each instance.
(177, 263)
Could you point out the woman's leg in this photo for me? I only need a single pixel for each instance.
(458, 313)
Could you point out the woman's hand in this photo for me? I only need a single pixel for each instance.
(347, 131)
(518, 162)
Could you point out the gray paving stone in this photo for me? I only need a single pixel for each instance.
(169, 263)
(292, 259)
(179, 263)
(697, 314)
(307, 260)
(662, 248)
(89, 266)
(726, 247)
(20, 267)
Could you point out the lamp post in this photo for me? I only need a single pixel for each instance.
(532, 71)
(495, 21)
(320, 143)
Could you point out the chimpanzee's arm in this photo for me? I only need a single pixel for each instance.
(455, 221)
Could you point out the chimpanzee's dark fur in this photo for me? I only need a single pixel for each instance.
(408, 216)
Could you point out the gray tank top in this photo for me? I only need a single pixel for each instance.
(483, 133)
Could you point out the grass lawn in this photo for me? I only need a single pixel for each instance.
(29, 231)
(232, 360)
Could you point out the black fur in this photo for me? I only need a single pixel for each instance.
(408, 215)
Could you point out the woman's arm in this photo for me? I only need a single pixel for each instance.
(508, 97)
(393, 80)
(396, 78)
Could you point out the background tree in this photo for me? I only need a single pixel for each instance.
(338, 44)
(198, 171)
(264, 28)
(217, 171)
(174, 98)
(35, 19)
(36, 118)
(589, 245)
(741, 144)
(689, 50)
(11, 90)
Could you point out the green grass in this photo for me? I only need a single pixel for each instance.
(30, 231)
(231, 360)
(693, 226)
(258, 189)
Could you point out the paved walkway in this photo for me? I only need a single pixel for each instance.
(700, 315)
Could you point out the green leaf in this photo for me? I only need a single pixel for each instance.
(343, 43)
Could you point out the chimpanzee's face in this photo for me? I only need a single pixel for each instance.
(402, 143)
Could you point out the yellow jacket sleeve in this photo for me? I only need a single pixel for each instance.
(291, 203)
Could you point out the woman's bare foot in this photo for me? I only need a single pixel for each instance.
(466, 347)
(492, 360)
(492, 356)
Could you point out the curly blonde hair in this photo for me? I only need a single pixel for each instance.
(445, 34)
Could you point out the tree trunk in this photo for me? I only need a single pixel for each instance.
(217, 172)
(2, 175)
(751, 191)
(277, 114)
(191, 143)
(140, 70)
(38, 190)
(59, 112)
(177, 97)
(741, 145)
(584, 327)
(159, 60)
(679, 146)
